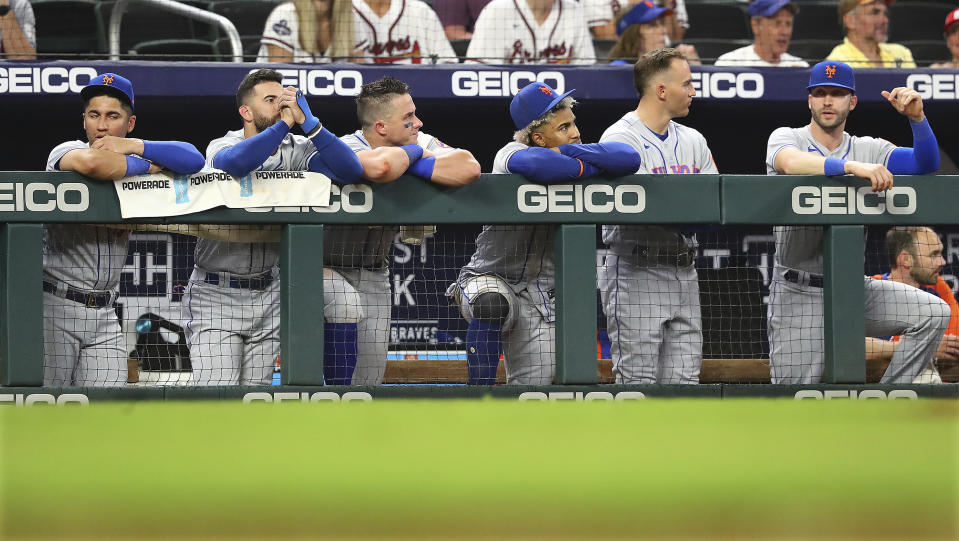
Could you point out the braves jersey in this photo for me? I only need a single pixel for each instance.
(683, 152)
(800, 247)
(246, 258)
(84, 256)
(283, 30)
(409, 33)
(507, 33)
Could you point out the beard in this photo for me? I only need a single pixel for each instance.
(262, 123)
(924, 277)
(839, 120)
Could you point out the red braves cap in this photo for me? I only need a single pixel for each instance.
(951, 19)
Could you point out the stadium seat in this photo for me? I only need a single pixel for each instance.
(249, 16)
(910, 21)
(68, 27)
(926, 52)
(175, 50)
(602, 48)
(717, 20)
(145, 23)
(710, 49)
(251, 46)
(812, 50)
(817, 20)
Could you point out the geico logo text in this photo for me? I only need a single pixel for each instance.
(502, 83)
(597, 198)
(43, 197)
(865, 394)
(56, 80)
(325, 396)
(352, 198)
(324, 82)
(849, 200)
(939, 86)
(595, 396)
(728, 85)
(43, 399)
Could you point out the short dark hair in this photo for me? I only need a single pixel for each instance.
(254, 78)
(91, 92)
(902, 237)
(373, 96)
(653, 63)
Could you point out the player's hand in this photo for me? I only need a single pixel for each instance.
(877, 174)
(907, 101)
(948, 348)
(288, 100)
(155, 168)
(120, 145)
(286, 115)
(427, 154)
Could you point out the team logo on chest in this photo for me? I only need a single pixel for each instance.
(394, 50)
(551, 54)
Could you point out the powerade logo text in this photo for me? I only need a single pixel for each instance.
(849, 200)
(43, 197)
(722, 85)
(352, 199)
(594, 198)
(55, 80)
(322, 82)
(493, 83)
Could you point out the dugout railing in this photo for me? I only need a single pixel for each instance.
(844, 206)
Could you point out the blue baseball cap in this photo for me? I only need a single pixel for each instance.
(115, 85)
(832, 73)
(532, 102)
(768, 8)
(642, 12)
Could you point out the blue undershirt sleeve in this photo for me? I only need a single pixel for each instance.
(177, 156)
(334, 158)
(922, 158)
(613, 157)
(242, 158)
(545, 166)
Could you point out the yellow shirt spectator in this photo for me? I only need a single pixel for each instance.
(893, 56)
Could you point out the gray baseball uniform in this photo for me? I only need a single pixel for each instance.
(516, 261)
(231, 306)
(795, 294)
(648, 283)
(83, 341)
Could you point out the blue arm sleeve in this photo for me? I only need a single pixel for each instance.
(922, 158)
(613, 157)
(177, 156)
(546, 166)
(251, 152)
(334, 158)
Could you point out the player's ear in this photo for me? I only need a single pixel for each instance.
(380, 128)
(131, 122)
(537, 139)
(904, 260)
(853, 101)
(661, 91)
(246, 113)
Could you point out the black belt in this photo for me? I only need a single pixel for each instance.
(815, 280)
(261, 281)
(90, 300)
(664, 259)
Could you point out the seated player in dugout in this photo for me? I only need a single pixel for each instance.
(388, 144)
(83, 341)
(915, 259)
(505, 292)
(232, 303)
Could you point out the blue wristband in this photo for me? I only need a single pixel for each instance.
(423, 168)
(415, 152)
(834, 167)
(310, 122)
(137, 166)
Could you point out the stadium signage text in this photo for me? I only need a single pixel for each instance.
(322, 82)
(352, 199)
(595, 396)
(850, 200)
(865, 394)
(594, 198)
(43, 399)
(502, 84)
(323, 396)
(728, 85)
(19, 196)
(938, 86)
(34, 80)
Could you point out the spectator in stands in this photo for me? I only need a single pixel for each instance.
(643, 29)
(915, 258)
(867, 29)
(308, 31)
(675, 18)
(772, 24)
(459, 16)
(399, 32)
(950, 31)
(532, 32)
(18, 30)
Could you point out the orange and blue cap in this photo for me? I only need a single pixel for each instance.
(532, 102)
(115, 85)
(832, 73)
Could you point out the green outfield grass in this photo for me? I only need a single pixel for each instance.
(459, 469)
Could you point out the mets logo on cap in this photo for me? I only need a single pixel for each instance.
(118, 85)
(831, 73)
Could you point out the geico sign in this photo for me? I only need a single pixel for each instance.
(849, 200)
(57, 80)
(323, 82)
(352, 198)
(41, 398)
(865, 394)
(43, 197)
(502, 83)
(276, 398)
(939, 86)
(581, 397)
(597, 198)
(728, 85)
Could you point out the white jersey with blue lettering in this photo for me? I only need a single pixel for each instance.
(86, 257)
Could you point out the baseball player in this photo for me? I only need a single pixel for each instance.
(915, 258)
(795, 297)
(388, 144)
(532, 32)
(231, 305)
(648, 284)
(83, 342)
(399, 32)
(506, 290)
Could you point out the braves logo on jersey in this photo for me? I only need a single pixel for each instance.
(393, 49)
(552, 54)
